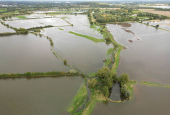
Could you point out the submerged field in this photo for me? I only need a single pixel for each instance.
(146, 58)
(72, 44)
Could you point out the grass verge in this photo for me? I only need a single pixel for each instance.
(60, 28)
(21, 17)
(154, 84)
(78, 100)
(97, 96)
(88, 37)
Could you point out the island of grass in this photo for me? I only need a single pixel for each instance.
(21, 17)
(60, 28)
(79, 100)
(154, 84)
(88, 37)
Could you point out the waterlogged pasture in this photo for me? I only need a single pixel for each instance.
(145, 59)
(80, 52)
(147, 101)
(28, 53)
(5, 29)
(81, 25)
(30, 23)
(38, 96)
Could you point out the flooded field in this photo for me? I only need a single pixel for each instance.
(30, 23)
(147, 58)
(28, 53)
(40, 96)
(79, 52)
(146, 101)
(5, 29)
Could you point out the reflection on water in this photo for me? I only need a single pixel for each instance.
(41, 96)
(28, 53)
(144, 60)
(5, 29)
(79, 52)
(36, 22)
(147, 101)
(147, 59)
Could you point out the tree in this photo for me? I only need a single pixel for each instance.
(92, 82)
(123, 79)
(102, 73)
(114, 76)
(106, 77)
(106, 91)
(125, 91)
(107, 81)
(65, 62)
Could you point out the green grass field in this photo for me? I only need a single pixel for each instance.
(21, 17)
(88, 37)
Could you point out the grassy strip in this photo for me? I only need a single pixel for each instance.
(8, 33)
(21, 17)
(38, 74)
(88, 37)
(92, 74)
(116, 56)
(109, 51)
(154, 84)
(107, 62)
(155, 27)
(130, 86)
(78, 100)
(60, 28)
(97, 96)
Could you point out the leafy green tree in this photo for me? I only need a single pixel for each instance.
(123, 79)
(103, 72)
(65, 62)
(125, 91)
(107, 81)
(92, 82)
(106, 91)
(114, 76)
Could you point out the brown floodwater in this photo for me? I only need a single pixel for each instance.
(147, 101)
(80, 52)
(5, 29)
(147, 58)
(28, 53)
(30, 23)
(38, 96)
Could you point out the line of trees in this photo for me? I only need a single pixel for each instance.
(34, 74)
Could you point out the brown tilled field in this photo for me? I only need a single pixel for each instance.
(165, 13)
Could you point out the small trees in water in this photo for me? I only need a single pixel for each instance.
(65, 62)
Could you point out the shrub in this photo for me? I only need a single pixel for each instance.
(65, 62)
(123, 79)
(92, 82)
(125, 91)
(106, 91)
(102, 73)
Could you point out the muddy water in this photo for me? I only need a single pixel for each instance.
(147, 101)
(147, 58)
(40, 96)
(28, 53)
(5, 29)
(79, 52)
(36, 22)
